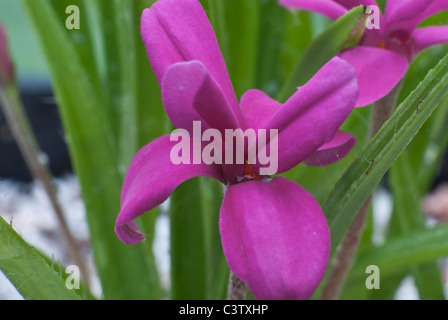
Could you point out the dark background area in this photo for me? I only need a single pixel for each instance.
(42, 112)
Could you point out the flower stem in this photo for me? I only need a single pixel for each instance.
(21, 130)
(345, 254)
(236, 289)
(382, 110)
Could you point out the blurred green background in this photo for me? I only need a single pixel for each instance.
(24, 47)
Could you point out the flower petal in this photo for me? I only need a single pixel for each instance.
(349, 4)
(399, 10)
(150, 179)
(328, 8)
(378, 71)
(258, 108)
(407, 15)
(429, 36)
(333, 151)
(312, 116)
(190, 94)
(178, 31)
(275, 238)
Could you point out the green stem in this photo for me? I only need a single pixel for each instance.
(22, 132)
(237, 288)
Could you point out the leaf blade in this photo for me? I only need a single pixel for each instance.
(28, 271)
(375, 159)
(123, 269)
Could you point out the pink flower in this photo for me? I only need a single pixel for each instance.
(274, 234)
(383, 55)
(6, 66)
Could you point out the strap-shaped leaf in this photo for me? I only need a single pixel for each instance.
(124, 270)
(343, 33)
(401, 253)
(409, 216)
(28, 271)
(375, 159)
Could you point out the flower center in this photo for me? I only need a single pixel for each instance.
(401, 42)
(248, 174)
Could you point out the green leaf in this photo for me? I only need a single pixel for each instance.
(407, 207)
(336, 37)
(82, 38)
(126, 44)
(412, 175)
(406, 194)
(297, 36)
(376, 158)
(242, 42)
(152, 119)
(355, 287)
(428, 147)
(216, 14)
(28, 271)
(271, 28)
(212, 193)
(123, 269)
(403, 252)
(187, 243)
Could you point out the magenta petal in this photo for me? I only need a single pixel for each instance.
(178, 31)
(328, 8)
(393, 5)
(150, 180)
(349, 4)
(429, 36)
(312, 116)
(378, 71)
(190, 94)
(435, 7)
(275, 238)
(407, 15)
(258, 108)
(333, 151)
(399, 10)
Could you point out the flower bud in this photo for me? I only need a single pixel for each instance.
(6, 66)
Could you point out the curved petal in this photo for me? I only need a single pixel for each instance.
(150, 180)
(378, 71)
(328, 8)
(333, 151)
(258, 108)
(393, 5)
(399, 10)
(179, 30)
(190, 94)
(429, 36)
(275, 238)
(312, 116)
(407, 15)
(349, 4)
(435, 7)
